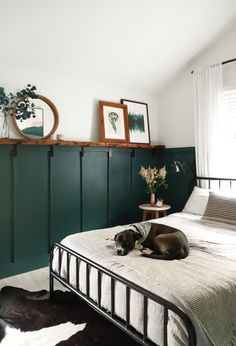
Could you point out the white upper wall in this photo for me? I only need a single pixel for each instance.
(137, 44)
(176, 109)
(79, 51)
(77, 101)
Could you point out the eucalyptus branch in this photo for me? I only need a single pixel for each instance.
(20, 101)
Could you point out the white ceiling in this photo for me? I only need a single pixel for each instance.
(139, 44)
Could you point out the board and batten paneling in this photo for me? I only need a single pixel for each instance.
(119, 180)
(65, 192)
(6, 224)
(30, 201)
(49, 192)
(94, 188)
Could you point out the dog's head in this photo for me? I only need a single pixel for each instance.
(125, 242)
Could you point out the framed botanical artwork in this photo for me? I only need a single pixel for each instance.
(113, 122)
(138, 121)
(33, 126)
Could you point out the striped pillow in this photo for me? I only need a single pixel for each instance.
(220, 208)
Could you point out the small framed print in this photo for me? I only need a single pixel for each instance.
(138, 121)
(33, 126)
(113, 122)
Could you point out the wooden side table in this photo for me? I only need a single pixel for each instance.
(155, 212)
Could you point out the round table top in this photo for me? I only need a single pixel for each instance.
(155, 208)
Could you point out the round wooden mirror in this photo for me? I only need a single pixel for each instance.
(42, 120)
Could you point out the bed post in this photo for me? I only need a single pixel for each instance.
(51, 279)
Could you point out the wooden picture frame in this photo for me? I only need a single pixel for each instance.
(55, 117)
(113, 122)
(138, 121)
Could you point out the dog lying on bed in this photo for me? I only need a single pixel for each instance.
(166, 243)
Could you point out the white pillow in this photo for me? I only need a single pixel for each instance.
(197, 202)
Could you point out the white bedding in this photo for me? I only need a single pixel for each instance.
(203, 284)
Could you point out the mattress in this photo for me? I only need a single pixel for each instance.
(203, 285)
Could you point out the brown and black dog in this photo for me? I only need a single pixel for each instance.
(167, 243)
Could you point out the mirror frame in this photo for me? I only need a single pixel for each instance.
(55, 115)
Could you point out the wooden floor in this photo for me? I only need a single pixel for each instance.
(33, 281)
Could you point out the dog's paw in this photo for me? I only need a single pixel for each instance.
(138, 245)
(147, 251)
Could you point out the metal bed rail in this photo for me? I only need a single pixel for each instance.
(209, 181)
(64, 252)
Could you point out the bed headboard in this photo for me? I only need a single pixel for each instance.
(217, 183)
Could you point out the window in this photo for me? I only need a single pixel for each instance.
(215, 119)
(228, 123)
(229, 102)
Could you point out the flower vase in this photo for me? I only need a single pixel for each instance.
(152, 199)
(4, 127)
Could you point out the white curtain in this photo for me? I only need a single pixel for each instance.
(208, 94)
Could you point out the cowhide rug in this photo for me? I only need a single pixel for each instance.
(31, 319)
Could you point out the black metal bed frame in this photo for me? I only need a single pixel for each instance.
(210, 179)
(111, 315)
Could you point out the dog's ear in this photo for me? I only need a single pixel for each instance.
(136, 235)
(115, 237)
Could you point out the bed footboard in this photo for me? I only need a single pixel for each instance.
(62, 251)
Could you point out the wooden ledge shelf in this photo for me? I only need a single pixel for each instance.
(78, 143)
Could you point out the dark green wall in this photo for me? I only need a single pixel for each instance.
(64, 168)
(30, 202)
(180, 184)
(94, 188)
(49, 192)
(6, 210)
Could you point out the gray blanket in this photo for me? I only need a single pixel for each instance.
(210, 290)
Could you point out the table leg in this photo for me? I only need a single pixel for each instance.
(144, 215)
(164, 212)
(157, 215)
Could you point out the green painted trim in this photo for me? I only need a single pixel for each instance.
(58, 148)
(3, 147)
(95, 149)
(28, 148)
(120, 150)
(179, 150)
